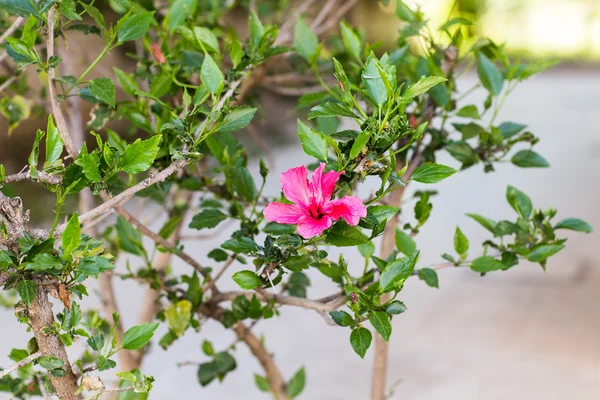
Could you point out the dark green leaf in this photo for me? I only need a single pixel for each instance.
(45, 262)
(242, 182)
(330, 109)
(341, 234)
(243, 245)
(374, 84)
(529, 159)
(207, 219)
(50, 363)
(342, 318)
(429, 276)
(359, 143)
(510, 129)
(360, 339)
(574, 224)
(381, 322)
(136, 337)
(247, 280)
(541, 252)
(103, 89)
(26, 290)
(489, 74)
(22, 8)
(236, 119)
(94, 266)
(396, 307)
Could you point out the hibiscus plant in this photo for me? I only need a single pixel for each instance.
(191, 88)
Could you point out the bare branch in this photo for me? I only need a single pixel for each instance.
(335, 18)
(322, 14)
(20, 364)
(8, 82)
(41, 177)
(285, 300)
(12, 28)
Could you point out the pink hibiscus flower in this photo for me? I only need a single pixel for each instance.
(314, 210)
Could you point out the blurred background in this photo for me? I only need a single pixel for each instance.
(523, 333)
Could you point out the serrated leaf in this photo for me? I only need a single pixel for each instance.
(373, 82)
(136, 337)
(331, 109)
(27, 290)
(381, 322)
(103, 89)
(236, 119)
(207, 219)
(432, 173)
(242, 245)
(313, 142)
(360, 339)
(140, 155)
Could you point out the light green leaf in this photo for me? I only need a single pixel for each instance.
(519, 201)
(313, 142)
(236, 119)
(305, 41)
(489, 75)
(247, 280)
(211, 75)
(487, 223)
(179, 10)
(207, 38)
(262, 383)
(469, 111)
(257, 31)
(54, 142)
(396, 271)
(103, 89)
(574, 224)
(134, 25)
(486, 264)
(178, 316)
(432, 173)
(359, 143)
(331, 109)
(128, 83)
(296, 385)
(422, 86)
(140, 155)
(541, 252)
(455, 21)
(535, 67)
(136, 337)
(381, 322)
(461, 243)
(404, 243)
(374, 85)
(71, 236)
(351, 40)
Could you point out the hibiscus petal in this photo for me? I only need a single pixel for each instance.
(283, 213)
(309, 227)
(323, 185)
(351, 208)
(294, 182)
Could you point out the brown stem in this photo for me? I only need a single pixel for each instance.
(41, 316)
(380, 362)
(20, 364)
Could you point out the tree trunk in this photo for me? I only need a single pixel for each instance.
(41, 316)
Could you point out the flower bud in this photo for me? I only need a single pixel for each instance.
(91, 383)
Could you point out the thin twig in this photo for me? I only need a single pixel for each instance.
(41, 177)
(8, 82)
(335, 18)
(12, 28)
(286, 27)
(211, 283)
(20, 364)
(322, 14)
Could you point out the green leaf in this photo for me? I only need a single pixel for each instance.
(430, 277)
(510, 129)
(50, 363)
(359, 143)
(54, 142)
(529, 159)
(242, 182)
(105, 364)
(178, 316)
(574, 224)
(360, 339)
(247, 280)
(136, 337)
(463, 152)
(93, 266)
(455, 21)
(342, 318)
(95, 14)
(432, 173)
(486, 264)
(236, 119)
(296, 385)
(140, 155)
(404, 12)
(103, 89)
(67, 8)
(396, 307)
(262, 383)
(207, 219)
(313, 142)
(305, 41)
(461, 243)
(519, 201)
(208, 38)
(381, 322)
(404, 243)
(422, 86)
(45, 262)
(373, 82)
(129, 238)
(541, 252)
(535, 67)
(179, 10)
(351, 41)
(382, 213)
(469, 111)
(242, 245)
(487, 223)
(257, 31)
(134, 25)
(127, 82)
(71, 236)
(35, 151)
(211, 75)
(331, 109)
(396, 271)
(489, 75)
(27, 290)
(21, 8)
(341, 234)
